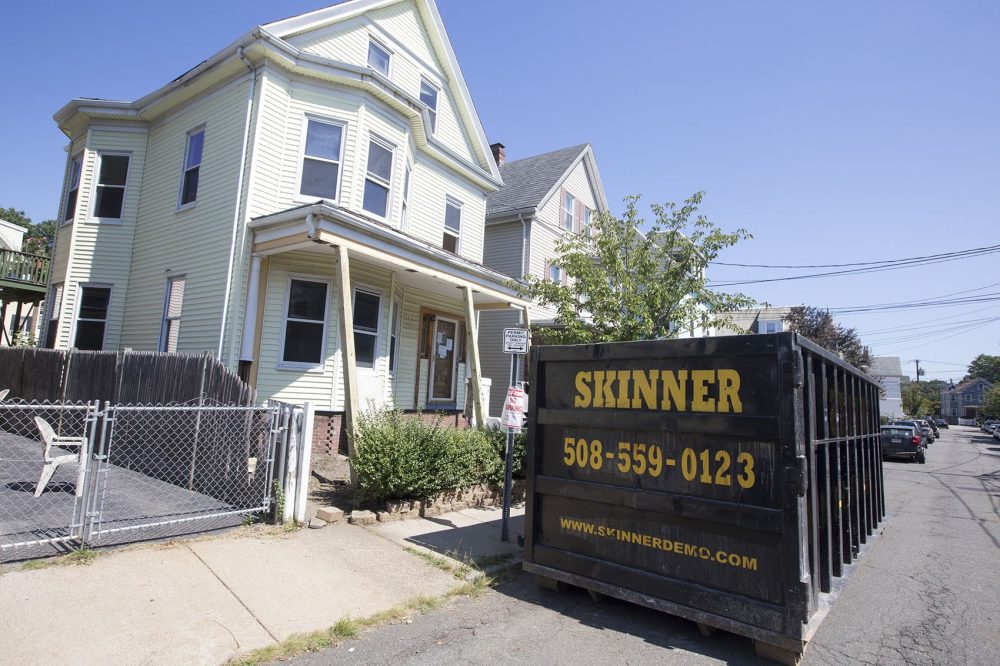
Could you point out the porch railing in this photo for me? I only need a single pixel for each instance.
(24, 267)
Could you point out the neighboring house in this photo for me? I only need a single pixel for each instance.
(23, 281)
(757, 320)
(308, 204)
(543, 198)
(889, 372)
(963, 402)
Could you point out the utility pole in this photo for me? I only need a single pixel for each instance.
(917, 361)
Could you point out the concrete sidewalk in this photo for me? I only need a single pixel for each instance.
(204, 601)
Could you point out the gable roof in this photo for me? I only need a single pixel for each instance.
(529, 182)
(970, 383)
(433, 24)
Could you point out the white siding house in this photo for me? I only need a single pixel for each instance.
(543, 198)
(308, 204)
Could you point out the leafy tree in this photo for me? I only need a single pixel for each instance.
(39, 238)
(985, 366)
(819, 326)
(922, 398)
(624, 284)
(991, 402)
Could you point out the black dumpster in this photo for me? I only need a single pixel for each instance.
(730, 481)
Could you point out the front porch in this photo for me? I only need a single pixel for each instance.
(349, 314)
(23, 282)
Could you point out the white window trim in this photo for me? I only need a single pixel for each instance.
(80, 286)
(306, 117)
(452, 201)
(404, 198)
(395, 314)
(166, 305)
(373, 291)
(280, 353)
(388, 145)
(184, 170)
(437, 104)
(372, 39)
(76, 205)
(53, 311)
(564, 211)
(97, 183)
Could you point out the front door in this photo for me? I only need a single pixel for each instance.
(443, 360)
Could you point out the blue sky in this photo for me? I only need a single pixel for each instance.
(834, 132)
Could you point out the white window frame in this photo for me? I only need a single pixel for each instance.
(97, 184)
(379, 44)
(558, 271)
(763, 324)
(53, 313)
(371, 291)
(306, 119)
(568, 213)
(75, 176)
(588, 222)
(404, 206)
(433, 111)
(395, 333)
(79, 303)
(452, 201)
(167, 319)
(282, 364)
(383, 143)
(184, 168)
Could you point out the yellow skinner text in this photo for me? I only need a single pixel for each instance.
(716, 391)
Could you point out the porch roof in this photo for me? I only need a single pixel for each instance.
(312, 226)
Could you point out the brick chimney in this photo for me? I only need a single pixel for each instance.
(498, 153)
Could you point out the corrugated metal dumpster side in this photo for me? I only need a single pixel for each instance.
(725, 480)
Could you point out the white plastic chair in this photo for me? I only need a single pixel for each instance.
(3, 394)
(50, 439)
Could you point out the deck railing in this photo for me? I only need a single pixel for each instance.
(24, 267)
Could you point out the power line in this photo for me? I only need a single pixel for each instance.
(857, 263)
(884, 266)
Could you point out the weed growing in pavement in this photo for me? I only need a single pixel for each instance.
(79, 557)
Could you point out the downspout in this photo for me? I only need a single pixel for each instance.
(239, 199)
(525, 260)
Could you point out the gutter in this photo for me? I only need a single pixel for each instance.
(525, 258)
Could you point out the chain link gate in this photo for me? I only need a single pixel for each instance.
(147, 472)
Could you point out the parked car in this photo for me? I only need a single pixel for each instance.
(988, 425)
(933, 426)
(941, 423)
(996, 432)
(921, 427)
(903, 440)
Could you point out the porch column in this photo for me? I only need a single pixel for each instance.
(350, 370)
(250, 309)
(472, 344)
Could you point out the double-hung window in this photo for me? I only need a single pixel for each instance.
(111, 180)
(429, 96)
(555, 274)
(452, 225)
(378, 177)
(75, 167)
(191, 168)
(92, 318)
(305, 323)
(366, 312)
(378, 58)
(569, 203)
(170, 328)
(588, 222)
(321, 159)
(405, 207)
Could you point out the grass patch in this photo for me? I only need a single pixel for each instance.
(83, 556)
(487, 561)
(435, 561)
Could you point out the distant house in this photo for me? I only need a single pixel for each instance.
(23, 282)
(309, 204)
(757, 320)
(963, 402)
(543, 198)
(888, 370)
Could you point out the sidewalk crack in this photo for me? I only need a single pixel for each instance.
(232, 592)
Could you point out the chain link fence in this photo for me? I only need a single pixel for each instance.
(130, 472)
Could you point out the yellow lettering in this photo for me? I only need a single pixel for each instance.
(700, 402)
(604, 395)
(729, 391)
(645, 385)
(673, 390)
(623, 402)
(657, 543)
(583, 396)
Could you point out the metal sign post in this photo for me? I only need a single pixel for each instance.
(515, 343)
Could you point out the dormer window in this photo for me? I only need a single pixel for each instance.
(378, 58)
(429, 96)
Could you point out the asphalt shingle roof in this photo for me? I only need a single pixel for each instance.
(527, 181)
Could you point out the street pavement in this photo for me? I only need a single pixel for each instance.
(927, 592)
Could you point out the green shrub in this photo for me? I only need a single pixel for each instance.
(498, 442)
(396, 457)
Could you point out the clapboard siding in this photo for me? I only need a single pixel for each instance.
(432, 185)
(503, 248)
(194, 242)
(495, 363)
